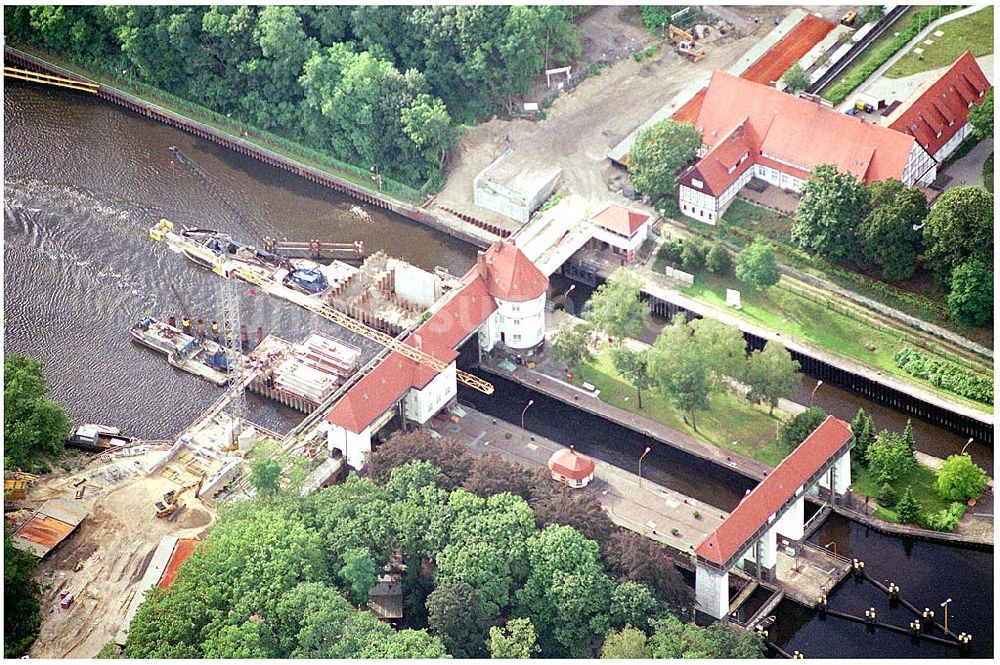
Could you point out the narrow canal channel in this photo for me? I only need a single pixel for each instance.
(84, 181)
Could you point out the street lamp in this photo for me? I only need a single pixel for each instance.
(377, 177)
(571, 287)
(813, 393)
(646, 452)
(962, 452)
(530, 402)
(945, 606)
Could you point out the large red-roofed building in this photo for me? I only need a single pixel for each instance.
(502, 299)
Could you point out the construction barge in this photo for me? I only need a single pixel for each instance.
(385, 293)
(202, 357)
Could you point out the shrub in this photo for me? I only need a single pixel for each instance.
(961, 479)
(693, 256)
(718, 260)
(945, 375)
(945, 519)
(671, 253)
(887, 496)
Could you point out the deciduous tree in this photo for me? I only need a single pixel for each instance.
(265, 474)
(570, 347)
(772, 374)
(616, 309)
(723, 347)
(634, 368)
(634, 604)
(826, 219)
(21, 618)
(959, 228)
(795, 79)
(756, 265)
(627, 643)
(800, 426)
(451, 458)
(453, 614)
(890, 233)
(359, 574)
(657, 155)
(492, 474)
(961, 479)
(632, 557)
(516, 639)
(718, 260)
(971, 299)
(679, 366)
(33, 426)
(981, 117)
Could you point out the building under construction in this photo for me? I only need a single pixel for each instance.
(386, 293)
(301, 376)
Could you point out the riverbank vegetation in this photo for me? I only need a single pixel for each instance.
(696, 378)
(973, 32)
(21, 617)
(885, 469)
(34, 427)
(487, 572)
(382, 87)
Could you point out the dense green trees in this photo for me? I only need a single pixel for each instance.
(21, 617)
(887, 235)
(717, 260)
(959, 228)
(33, 426)
(517, 639)
(658, 154)
(372, 85)
(863, 428)
(889, 457)
(626, 643)
(680, 367)
(826, 218)
(634, 367)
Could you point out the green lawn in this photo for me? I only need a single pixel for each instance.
(921, 480)
(969, 33)
(780, 309)
(758, 220)
(730, 422)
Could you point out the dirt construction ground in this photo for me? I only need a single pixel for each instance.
(583, 125)
(102, 562)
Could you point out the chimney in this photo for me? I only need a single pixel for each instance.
(481, 265)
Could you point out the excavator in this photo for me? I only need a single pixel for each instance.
(172, 500)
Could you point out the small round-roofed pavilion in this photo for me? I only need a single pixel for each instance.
(571, 468)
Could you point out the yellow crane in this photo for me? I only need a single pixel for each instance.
(47, 79)
(164, 231)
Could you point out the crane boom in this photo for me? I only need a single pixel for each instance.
(341, 319)
(163, 231)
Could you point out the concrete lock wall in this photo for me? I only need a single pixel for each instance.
(415, 285)
(355, 447)
(790, 524)
(711, 590)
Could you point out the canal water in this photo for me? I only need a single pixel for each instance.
(83, 183)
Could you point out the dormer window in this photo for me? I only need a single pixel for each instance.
(938, 135)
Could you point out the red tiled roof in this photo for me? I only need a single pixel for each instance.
(372, 396)
(780, 485)
(509, 273)
(940, 107)
(772, 65)
(620, 219)
(462, 314)
(571, 464)
(798, 131)
(721, 167)
(183, 549)
(689, 112)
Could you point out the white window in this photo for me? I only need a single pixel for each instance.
(517, 338)
(697, 183)
(515, 308)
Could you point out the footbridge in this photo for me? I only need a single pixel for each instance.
(549, 239)
(748, 538)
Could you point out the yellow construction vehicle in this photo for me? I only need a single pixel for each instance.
(685, 43)
(172, 500)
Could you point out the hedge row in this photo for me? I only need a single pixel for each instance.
(945, 375)
(839, 92)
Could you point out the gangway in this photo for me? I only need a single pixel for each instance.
(315, 249)
(48, 79)
(257, 276)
